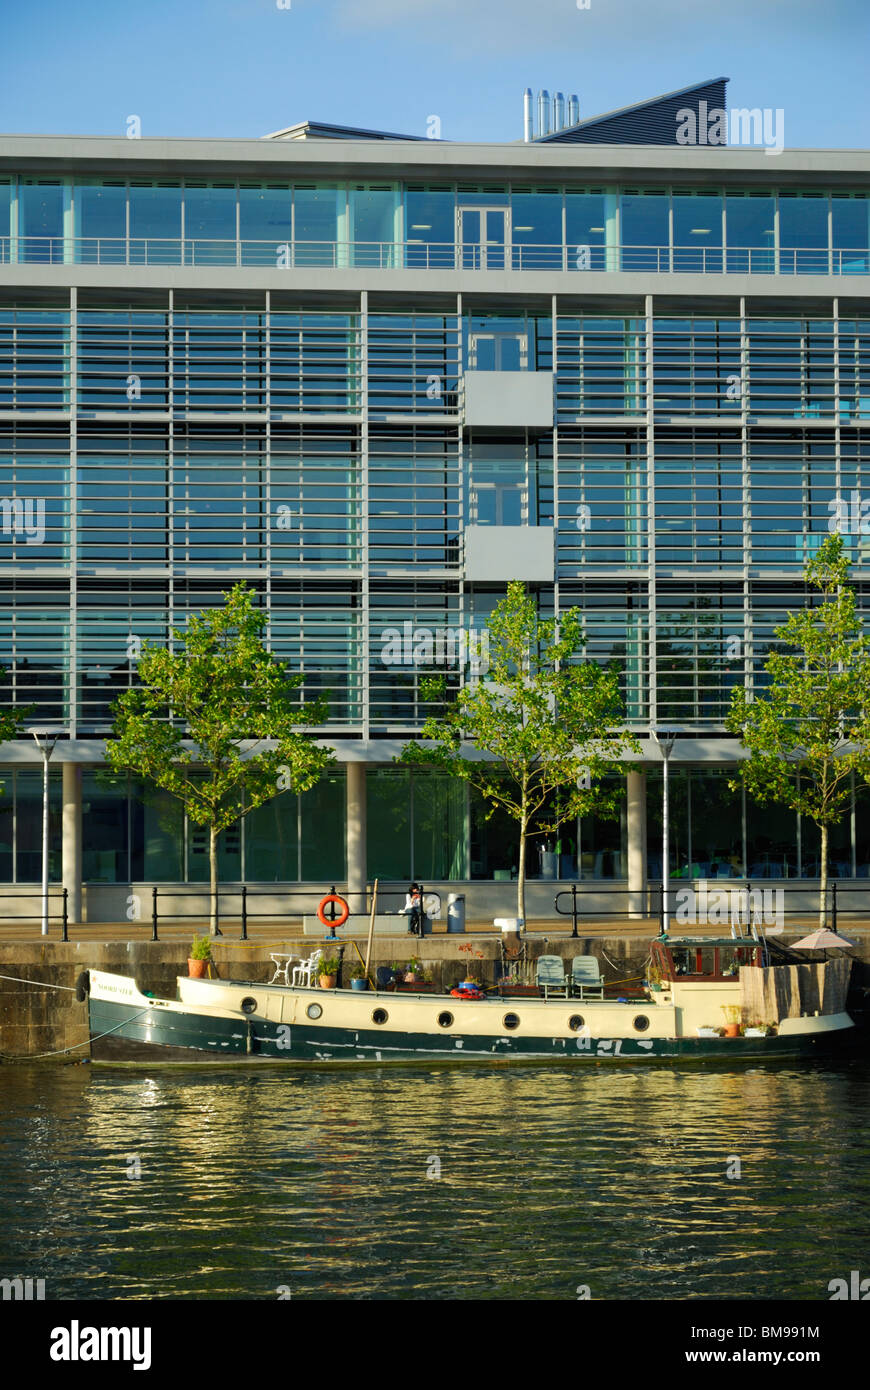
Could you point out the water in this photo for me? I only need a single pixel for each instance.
(316, 1183)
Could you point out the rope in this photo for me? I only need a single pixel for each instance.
(64, 1051)
(41, 984)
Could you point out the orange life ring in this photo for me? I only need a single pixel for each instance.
(343, 912)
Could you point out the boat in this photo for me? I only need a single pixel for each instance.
(738, 999)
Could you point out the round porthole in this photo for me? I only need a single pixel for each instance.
(641, 1023)
(314, 1011)
(511, 1021)
(445, 1020)
(248, 1005)
(380, 1016)
(576, 1022)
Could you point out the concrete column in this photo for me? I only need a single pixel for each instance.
(356, 835)
(636, 799)
(71, 858)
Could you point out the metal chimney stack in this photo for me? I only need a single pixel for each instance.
(558, 112)
(528, 116)
(543, 113)
(573, 110)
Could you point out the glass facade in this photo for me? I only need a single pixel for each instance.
(162, 441)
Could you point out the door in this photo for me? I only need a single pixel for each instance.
(483, 238)
(497, 351)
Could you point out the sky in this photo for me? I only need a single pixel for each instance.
(244, 68)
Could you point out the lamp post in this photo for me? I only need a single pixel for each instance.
(46, 749)
(665, 742)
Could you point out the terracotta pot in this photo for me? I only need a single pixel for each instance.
(732, 1030)
(196, 968)
(327, 981)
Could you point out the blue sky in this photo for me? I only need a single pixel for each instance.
(246, 67)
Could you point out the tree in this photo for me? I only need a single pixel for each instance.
(12, 719)
(811, 730)
(196, 725)
(543, 725)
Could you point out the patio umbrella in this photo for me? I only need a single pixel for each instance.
(822, 940)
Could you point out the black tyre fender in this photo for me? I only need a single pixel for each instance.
(83, 986)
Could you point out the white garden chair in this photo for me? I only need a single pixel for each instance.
(303, 973)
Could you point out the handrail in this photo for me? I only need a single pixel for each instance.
(294, 254)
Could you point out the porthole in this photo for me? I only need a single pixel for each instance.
(511, 1021)
(576, 1022)
(248, 1005)
(314, 1010)
(445, 1020)
(641, 1023)
(380, 1016)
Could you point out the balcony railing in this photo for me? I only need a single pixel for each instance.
(417, 255)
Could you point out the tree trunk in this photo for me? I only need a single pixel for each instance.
(214, 913)
(521, 875)
(823, 879)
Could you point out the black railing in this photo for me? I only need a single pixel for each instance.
(716, 902)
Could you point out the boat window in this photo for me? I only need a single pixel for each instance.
(575, 1022)
(445, 1020)
(511, 1021)
(380, 1016)
(682, 962)
(314, 1011)
(641, 1023)
(248, 1005)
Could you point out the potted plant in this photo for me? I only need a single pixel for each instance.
(200, 955)
(472, 972)
(413, 971)
(328, 968)
(358, 978)
(732, 1020)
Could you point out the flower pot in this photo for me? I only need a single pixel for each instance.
(327, 981)
(732, 1030)
(196, 968)
(411, 978)
(359, 984)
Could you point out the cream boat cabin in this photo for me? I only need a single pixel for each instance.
(706, 998)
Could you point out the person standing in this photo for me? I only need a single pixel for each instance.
(414, 908)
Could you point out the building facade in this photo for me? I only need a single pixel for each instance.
(377, 378)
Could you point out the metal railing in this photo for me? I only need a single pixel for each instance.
(432, 255)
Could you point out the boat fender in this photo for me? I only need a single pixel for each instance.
(343, 911)
(83, 986)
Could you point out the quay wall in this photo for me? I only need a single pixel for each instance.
(35, 1021)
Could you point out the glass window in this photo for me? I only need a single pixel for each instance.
(749, 233)
(5, 215)
(849, 222)
(430, 226)
(104, 828)
(323, 829)
(157, 836)
(40, 220)
(388, 835)
(271, 841)
(373, 214)
(645, 223)
(678, 821)
(28, 810)
(536, 229)
(264, 222)
(803, 224)
(586, 228)
(315, 224)
(771, 840)
(155, 224)
(494, 851)
(7, 819)
(210, 224)
(439, 827)
(101, 223)
(698, 232)
(717, 824)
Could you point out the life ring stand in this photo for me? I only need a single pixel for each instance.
(343, 911)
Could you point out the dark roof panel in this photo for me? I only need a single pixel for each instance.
(651, 122)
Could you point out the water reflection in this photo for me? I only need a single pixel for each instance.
(614, 1178)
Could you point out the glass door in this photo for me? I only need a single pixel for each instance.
(483, 238)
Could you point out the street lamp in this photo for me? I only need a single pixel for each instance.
(46, 749)
(665, 742)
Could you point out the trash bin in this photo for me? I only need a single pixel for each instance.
(456, 912)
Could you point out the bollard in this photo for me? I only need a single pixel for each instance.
(244, 912)
(154, 914)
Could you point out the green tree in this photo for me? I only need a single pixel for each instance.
(12, 719)
(544, 726)
(197, 724)
(810, 731)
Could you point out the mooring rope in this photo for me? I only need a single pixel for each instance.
(62, 1051)
(41, 984)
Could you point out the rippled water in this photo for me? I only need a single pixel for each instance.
(549, 1179)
